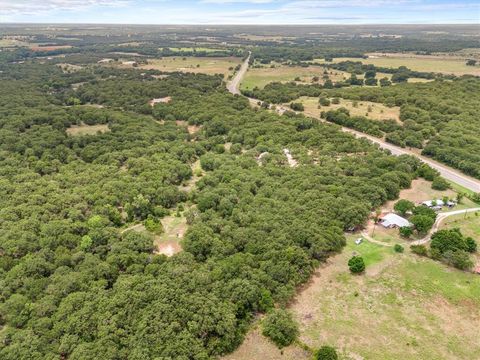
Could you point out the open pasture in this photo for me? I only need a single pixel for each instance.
(264, 75)
(374, 111)
(438, 64)
(207, 65)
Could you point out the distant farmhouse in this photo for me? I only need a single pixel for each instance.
(394, 221)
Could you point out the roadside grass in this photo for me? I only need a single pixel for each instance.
(207, 65)
(441, 64)
(359, 108)
(78, 130)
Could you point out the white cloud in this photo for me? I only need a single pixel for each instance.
(31, 7)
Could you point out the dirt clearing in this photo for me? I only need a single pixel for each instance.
(168, 243)
(78, 130)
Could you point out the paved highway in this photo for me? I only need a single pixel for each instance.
(446, 171)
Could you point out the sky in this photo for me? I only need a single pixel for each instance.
(262, 12)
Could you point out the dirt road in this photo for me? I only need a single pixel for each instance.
(438, 221)
(446, 171)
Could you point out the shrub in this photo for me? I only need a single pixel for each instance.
(402, 206)
(324, 101)
(459, 259)
(326, 353)
(449, 240)
(422, 223)
(398, 248)
(440, 183)
(356, 264)
(405, 231)
(297, 106)
(280, 327)
(471, 245)
(420, 250)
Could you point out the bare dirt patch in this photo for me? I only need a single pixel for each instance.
(78, 130)
(257, 347)
(164, 100)
(168, 243)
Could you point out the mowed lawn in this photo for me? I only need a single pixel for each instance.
(207, 65)
(440, 64)
(404, 307)
(280, 73)
(371, 110)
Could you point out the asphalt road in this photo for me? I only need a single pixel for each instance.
(234, 85)
(446, 171)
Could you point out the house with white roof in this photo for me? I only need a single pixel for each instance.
(394, 221)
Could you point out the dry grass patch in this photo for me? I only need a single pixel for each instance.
(374, 111)
(421, 190)
(78, 130)
(207, 65)
(257, 347)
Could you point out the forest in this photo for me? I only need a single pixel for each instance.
(439, 117)
(74, 286)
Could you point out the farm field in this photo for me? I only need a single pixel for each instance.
(221, 65)
(264, 75)
(401, 302)
(378, 111)
(420, 63)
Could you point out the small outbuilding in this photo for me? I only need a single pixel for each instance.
(394, 221)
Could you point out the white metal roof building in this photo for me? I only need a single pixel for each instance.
(393, 220)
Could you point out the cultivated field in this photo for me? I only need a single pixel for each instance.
(404, 307)
(213, 65)
(77, 130)
(440, 64)
(280, 73)
(360, 108)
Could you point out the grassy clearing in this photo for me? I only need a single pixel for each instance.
(265, 75)
(421, 190)
(213, 65)
(198, 49)
(377, 111)
(168, 243)
(469, 224)
(438, 64)
(393, 311)
(78, 130)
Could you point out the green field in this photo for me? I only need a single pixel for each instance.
(264, 75)
(418, 63)
(392, 312)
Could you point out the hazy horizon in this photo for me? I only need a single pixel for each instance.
(241, 12)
